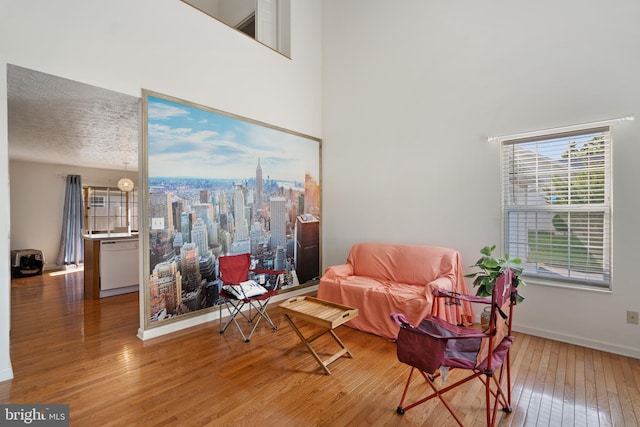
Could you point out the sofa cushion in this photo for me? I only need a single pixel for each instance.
(410, 264)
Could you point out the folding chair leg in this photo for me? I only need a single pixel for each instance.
(507, 362)
(400, 410)
(237, 307)
(496, 397)
(487, 399)
(261, 312)
(261, 309)
(436, 393)
(232, 314)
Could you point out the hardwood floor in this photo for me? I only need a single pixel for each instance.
(86, 354)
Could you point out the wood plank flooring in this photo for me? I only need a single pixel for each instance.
(86, 354)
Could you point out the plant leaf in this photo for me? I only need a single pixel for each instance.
(487, 250)
(490, 263)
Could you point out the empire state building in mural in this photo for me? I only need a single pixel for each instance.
(221, 186)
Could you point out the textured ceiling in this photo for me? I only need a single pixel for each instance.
(60, 121)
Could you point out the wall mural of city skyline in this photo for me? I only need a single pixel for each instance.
(220, 184)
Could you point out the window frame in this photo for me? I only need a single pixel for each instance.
(95, 197)
(584, 214)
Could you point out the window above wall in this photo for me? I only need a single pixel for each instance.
(109, 210)
(266, 21)
(557, 205)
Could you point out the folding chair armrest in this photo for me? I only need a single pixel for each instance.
(400, 319)
(271, 273)
(457, 332)
(469, 336)
(443, 293)
(454, 332)
(455, 337)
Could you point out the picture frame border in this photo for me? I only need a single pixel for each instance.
(143, 211)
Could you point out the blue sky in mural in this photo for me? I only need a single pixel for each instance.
(185, 141)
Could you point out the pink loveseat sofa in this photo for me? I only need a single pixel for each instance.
(379, 279)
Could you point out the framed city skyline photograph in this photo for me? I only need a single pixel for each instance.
(219, 184)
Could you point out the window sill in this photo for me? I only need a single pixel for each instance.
(535, 280)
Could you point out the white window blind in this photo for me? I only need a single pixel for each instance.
(557, 205)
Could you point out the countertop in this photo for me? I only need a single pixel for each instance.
(111, 236)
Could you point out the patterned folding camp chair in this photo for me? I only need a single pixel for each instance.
(233, 270)
(434, 347)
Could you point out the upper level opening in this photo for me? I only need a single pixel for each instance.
(266, 21)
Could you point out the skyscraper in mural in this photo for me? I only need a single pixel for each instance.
(311, 195)
(165, 288)
(241, 226)
(186, 221)
(206, 212)
(259, 194)
(199, 236)
(278, 209)
(307, 249)
(190, 267)
(160, 211)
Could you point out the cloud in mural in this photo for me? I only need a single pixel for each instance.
(193, 141)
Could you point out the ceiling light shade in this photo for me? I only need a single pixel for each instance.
(125, 184)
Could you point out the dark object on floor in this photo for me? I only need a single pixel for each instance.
(26, 263)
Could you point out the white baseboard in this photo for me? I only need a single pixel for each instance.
(158, 331)
(6, 374)
(178, 325)
(581, 341)
(119, 291)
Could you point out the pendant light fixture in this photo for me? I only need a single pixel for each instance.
(125, 184)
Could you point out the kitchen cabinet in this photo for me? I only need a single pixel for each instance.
(111, 265)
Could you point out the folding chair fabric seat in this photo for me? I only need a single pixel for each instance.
(233, 270)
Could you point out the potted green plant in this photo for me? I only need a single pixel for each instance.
(491, 268)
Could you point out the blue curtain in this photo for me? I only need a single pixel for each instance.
(71, 243)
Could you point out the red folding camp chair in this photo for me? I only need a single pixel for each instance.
(435, 347)
(234, 270)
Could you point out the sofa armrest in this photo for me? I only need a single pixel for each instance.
(337, 271)
(443, 282)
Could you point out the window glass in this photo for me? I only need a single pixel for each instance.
(557, 205)
(110, 210)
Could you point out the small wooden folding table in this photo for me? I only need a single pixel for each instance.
(325, 314)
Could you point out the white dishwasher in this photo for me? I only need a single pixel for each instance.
(118, 267)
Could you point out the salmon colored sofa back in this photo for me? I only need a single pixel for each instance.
(411, 264)
(380, 278)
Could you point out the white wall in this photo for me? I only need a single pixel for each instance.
(413, 90)
(37, 201)
(166, 46)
